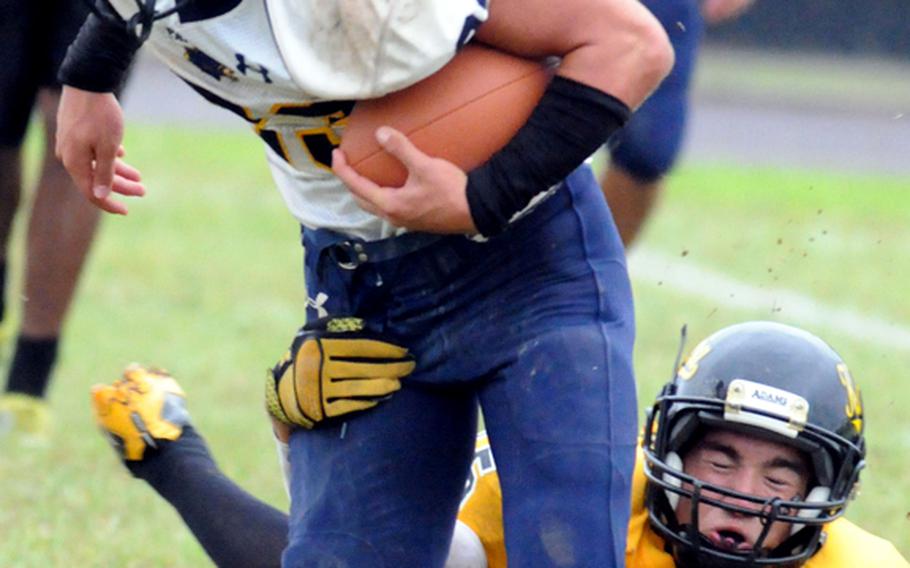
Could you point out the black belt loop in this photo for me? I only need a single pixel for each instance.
(349, 254)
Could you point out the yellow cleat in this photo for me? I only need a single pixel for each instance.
(24, 414)
(140, 410)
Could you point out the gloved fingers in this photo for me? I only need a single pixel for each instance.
(361, 348)
(341, 370)
(346, 405)
(353, 388)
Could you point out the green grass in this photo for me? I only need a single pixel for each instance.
(204, 277)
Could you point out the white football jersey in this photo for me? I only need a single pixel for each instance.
(293, 68)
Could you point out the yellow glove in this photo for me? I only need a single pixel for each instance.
(333, 368)
(140, 410)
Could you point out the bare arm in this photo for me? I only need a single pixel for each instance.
(614, 54)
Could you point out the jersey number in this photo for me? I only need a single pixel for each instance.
(317, 138)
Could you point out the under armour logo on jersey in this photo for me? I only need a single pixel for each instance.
(318, 303)
(242, 66)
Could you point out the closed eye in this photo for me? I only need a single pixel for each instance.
(777, 482)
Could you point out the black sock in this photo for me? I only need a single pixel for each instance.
(2, 289)
(233, 527)
(30, 371)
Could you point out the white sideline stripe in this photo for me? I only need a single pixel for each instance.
(685, 277)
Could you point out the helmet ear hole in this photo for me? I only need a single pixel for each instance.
(675, 463)
(816, 495)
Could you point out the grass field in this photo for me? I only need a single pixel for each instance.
(203, 277)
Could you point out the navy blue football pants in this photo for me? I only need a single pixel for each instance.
(537, 326)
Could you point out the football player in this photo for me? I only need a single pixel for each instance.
(524, 321)
(645, 150)
(750, 456)
(33, 40)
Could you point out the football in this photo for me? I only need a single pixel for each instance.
(463, 113)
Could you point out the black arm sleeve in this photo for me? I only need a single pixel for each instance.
(99, 58)
(235, 528)
(569, 123)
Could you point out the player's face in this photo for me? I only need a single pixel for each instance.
(748, 465)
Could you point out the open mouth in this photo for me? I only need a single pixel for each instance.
(730, 539)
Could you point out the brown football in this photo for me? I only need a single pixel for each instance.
(463, 113)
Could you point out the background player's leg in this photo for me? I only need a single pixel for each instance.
(23, 40)
(10, 189)
(19, 79)
(631, 200)
(143, 414)
(60, 231)
(648, 146)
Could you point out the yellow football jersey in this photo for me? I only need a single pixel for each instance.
(481, 506)
(847, 545)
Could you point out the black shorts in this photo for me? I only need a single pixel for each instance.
(34, 36)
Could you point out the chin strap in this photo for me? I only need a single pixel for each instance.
(675, 463)
(816, 495)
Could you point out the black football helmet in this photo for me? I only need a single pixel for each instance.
(769, 380)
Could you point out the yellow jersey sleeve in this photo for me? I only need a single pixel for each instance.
(849, 546)
(481, 506)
